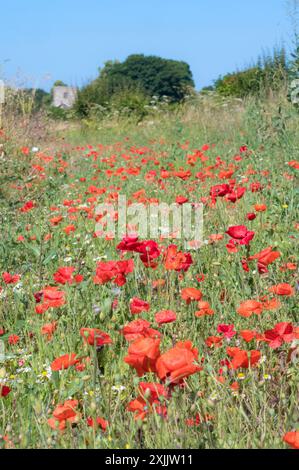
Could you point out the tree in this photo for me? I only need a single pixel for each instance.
(149, 75)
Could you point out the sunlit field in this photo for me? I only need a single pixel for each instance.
(138, 343)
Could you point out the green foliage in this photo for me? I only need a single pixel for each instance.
(293, 94)
(145, 76)
(269, 73)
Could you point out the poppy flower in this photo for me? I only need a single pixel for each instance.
(143, 354)
(56, 220)
(63, 414)
(227, 330)
(28, 206)
(138, 306)
(214, 341)
(97, 423)
(190, 294)
(49, 297)
(13, 339)
(215, 237)
(240, 234)
(115, 271)
(243, 359)
(220, 190)
(10, 278)
(283, 332)
(181, 200)
(250, 307)
(248, 335)
(64, 362)
(178, 363)
(148, 401)
(64, 275)
(165, 316)
(158, 283)
(152, 391)
(93, 336)
(264, 258)
(4, 391)
(204, 309)
(292, 439)
(69, 229)
(175, 260)
(139, 329)
(49, 329)
(282, 289)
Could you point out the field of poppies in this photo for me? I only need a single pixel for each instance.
(147, 343)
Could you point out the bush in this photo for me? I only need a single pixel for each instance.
(139, 76)
(269, 73)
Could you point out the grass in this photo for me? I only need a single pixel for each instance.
(262, 404)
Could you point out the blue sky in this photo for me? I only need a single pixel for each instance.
(70, 39)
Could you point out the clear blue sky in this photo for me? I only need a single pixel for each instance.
(70, 39)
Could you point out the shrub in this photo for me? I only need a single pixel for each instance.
(149, 75)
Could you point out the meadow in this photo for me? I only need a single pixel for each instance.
(130, 344)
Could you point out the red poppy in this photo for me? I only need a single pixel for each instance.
(260, 207)
(248, 335)
(143, 354)
(97, 423)
(227, 330)
(27, 207)
(204, 309)
(49, 297)
(214, 341)
(148, 401)
(115, 271)
(264, 258)
(282, 289)
(63, 414)
(250, 307)
(178, 363)
(64, 362)
(49, 329)
(64, 275)
(93, 336)
(175, 260)
(292, 438)
(4, 391)
(282, 333)
(243, 359)
(165, 316)
(13, 339)
(240, 234)
(10, 278)
(190, 294)
(138, 306)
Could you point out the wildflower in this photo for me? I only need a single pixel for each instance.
(178, 363)
(93, 335)
(282, 289)
(64, 362)
(292, 439)
(165, 316)
(282, 333)
(138, 306)
(240, 234)
(250, 307)
(190, 294)
(143, 354)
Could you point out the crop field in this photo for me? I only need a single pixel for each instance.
(164, 342)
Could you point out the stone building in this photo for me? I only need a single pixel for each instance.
(64, 96)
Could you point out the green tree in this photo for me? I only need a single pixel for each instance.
(147, 75)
